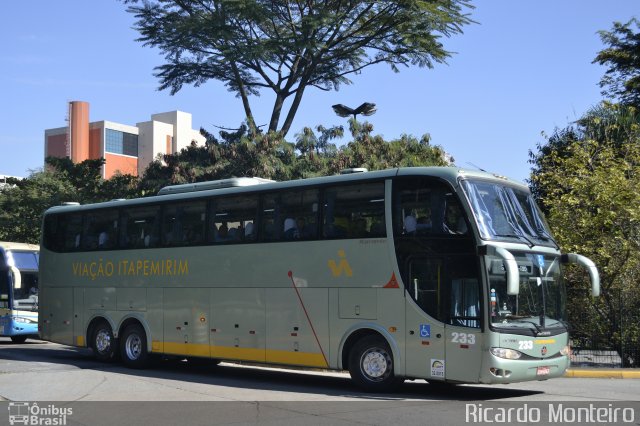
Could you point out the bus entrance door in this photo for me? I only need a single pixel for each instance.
(425, 348)
(463, 333)
(424, 344)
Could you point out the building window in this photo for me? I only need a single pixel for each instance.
(121, 143)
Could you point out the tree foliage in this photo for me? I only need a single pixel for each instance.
(586, 178)
(622, 56)
(286, 47)
(23, 202)
(271, 156)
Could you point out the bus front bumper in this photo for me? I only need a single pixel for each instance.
(500, 370)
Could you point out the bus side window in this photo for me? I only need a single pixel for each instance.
(4, 288)
(232, 219)
(72, 232)
(355, 211)
(183, 224)
(141, 228)
(100, 229)
(272, 224)
(300, 210)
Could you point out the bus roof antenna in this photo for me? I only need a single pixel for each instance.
(477, 167)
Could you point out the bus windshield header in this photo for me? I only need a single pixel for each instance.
(506, 213)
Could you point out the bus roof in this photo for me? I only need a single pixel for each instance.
(242, 185)
(6, 245)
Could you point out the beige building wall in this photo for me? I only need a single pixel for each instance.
(152, 140)
(166, 133)
(183, 133)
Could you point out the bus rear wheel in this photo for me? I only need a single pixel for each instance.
(133, 347)
(103, 343)
(18, 339)
(371, 365)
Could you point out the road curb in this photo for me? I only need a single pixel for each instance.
(597, 373)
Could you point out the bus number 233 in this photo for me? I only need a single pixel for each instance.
(464, 338)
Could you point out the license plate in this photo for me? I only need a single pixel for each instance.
(543, 371)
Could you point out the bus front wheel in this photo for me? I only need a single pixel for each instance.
(103, 343)
(18, 339)
(133, 347)
(371, 365)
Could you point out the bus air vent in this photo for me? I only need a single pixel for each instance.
(214, 184)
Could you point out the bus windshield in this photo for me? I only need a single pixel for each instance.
(507, 213)
(541, 303)
(25, 297)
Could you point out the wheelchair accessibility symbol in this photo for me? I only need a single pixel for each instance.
(425, 330)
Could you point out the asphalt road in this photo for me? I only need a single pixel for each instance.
(41, 371)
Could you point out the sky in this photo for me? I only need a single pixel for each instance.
(524, 69)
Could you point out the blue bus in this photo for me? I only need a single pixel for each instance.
(19, 290)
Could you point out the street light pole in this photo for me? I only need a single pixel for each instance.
(366, 108)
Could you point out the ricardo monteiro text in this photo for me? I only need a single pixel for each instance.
(555, 413)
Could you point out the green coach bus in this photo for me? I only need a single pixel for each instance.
(432, 273)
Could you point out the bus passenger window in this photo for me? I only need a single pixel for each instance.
(184, 224)
(355, 211)
(100, 230)
(289, 216)
(232, 219)
(72, 231)
(140, 228)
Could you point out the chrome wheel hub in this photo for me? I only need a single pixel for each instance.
(103, 341)
(374, 364)
(133, 346)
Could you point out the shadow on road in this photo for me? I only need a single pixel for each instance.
(250, 377)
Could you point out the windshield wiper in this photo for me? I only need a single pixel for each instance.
(545, 236)
(518, 319)
(530, 243)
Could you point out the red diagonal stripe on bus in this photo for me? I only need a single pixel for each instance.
(308, 319)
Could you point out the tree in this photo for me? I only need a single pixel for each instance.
(586, 178)
(271, 156)
(286, 47)
(23, 203)
(622, 56)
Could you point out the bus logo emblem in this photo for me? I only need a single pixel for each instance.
(342, 266)
(543, 351)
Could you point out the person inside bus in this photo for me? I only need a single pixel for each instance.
(454, 221)
(249, 232)
(103, 240)
(290, 229)
(223, 233)
(410, 225)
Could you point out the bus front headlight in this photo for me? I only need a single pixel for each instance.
(506, 353)
(566, 351)
(23, 320)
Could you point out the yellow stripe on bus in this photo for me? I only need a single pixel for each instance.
(241, 354)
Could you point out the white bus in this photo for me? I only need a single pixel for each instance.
(18, 290)
(428, 273)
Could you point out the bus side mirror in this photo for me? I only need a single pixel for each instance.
(588, 264)
(510, 266)
(17, 278)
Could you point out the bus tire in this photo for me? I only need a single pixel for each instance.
(371, 365)
(103, 343)
(133, 347)
(18, 339)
